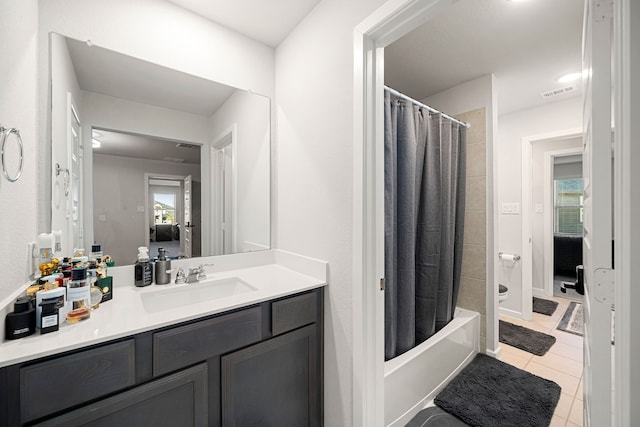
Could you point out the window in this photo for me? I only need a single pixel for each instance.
(568, 206)
(164, 208)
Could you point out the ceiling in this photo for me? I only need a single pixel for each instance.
(267, 21)
(145, 147)
(111, 73)
(526, 45)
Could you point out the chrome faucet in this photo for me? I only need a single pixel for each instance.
(197, 273)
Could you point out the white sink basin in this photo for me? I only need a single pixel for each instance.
(194, 293)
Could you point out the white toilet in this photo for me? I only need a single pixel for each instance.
(503, 292)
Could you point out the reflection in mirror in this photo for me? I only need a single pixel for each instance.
(149, 156)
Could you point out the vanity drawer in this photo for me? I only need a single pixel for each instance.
(57, 384)
(185, 345)
(291, 313)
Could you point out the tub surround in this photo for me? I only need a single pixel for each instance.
(274, 274)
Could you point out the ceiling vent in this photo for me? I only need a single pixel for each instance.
(556, 92)
(185, 145)
(173, 159)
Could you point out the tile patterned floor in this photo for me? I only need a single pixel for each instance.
(562, 363)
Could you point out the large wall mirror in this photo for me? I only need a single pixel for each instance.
(143, 155)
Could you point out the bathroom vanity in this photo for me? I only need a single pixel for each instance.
(255, 358)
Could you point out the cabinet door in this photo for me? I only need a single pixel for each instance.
(179, 399)
(273, 383)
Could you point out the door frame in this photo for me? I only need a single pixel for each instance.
(388, 23)
(549, 214)
(626, 195)
(148, 176)
(227, 137)
(526, 310)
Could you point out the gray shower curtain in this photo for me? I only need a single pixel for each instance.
(424, 189)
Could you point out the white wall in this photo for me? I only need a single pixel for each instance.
(314, 81)
(119, 114)
(155, 31)
(18, 109)
(118, 191)
(250, 115)
(512, 128)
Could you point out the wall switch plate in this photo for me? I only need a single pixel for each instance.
(539, 208)
(511, 208)
(102, 218)
(141, 209)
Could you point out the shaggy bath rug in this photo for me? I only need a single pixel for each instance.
(544, 306)
(490, 393)
(525, 339)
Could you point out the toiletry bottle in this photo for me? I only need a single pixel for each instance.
(163, 268)
(143, 269)
(59, 294)
(96, 252)
(49, 321)
(21, 322)
(79, 295)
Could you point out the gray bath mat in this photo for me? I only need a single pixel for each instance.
(489, 393)
(573, 319)
(435, 417)
(544, 306)
(525, 339)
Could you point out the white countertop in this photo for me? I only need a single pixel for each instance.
(272, 273)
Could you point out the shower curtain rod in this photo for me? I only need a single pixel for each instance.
(408, 98)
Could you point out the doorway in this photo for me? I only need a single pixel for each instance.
(166, 210)
(224, 193)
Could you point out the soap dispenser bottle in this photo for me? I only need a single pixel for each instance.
(163, 268)
(143, 269)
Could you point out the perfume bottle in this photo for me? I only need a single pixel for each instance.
(21, 322)
(79, 296)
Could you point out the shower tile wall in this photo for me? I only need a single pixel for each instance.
(473, 287)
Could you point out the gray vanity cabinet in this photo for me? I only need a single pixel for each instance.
(179, 399)
(273, 383)
(255, 366)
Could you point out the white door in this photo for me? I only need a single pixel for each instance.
(598, 227)
(186, 236)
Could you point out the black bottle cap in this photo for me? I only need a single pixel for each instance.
(78, 274)
(22, 304)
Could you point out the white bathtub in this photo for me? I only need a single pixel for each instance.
(413, 379)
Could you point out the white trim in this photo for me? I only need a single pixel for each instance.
(227, 137)
(526, 311)
(149, 209)
(549, 210)
(626, 175)
(390, 22)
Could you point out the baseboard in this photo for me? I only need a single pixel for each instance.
(508, 312)
(495, 354)
(539, 292)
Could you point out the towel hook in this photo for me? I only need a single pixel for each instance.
(5, 132)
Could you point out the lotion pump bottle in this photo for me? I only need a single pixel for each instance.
(163, 268)
(143, 270)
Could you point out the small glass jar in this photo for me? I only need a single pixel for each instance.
(79, 296)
